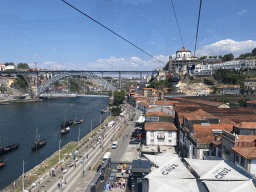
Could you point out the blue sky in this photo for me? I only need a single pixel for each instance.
(50, 32)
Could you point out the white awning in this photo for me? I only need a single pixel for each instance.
(172, 169)
(215, 170)
(141, 119)
(161, 158)
(177, 185)
(231, 186)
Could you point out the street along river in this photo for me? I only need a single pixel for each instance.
(19, 121)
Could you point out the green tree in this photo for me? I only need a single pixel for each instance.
(119, 97)
(203, 57)
(228, 77)
(242, 102)
(228, 57)
(210, 57)
(116, 110)
(220, 57)
(110, 93)
(215, 57)
(254, 51)
(215, 89)
(21, 82)
(22, 66)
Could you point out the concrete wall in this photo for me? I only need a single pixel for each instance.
(171, 140)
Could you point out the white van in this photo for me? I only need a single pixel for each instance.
(114, 145)
(107, 156)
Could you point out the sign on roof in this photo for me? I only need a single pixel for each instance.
(152, 118)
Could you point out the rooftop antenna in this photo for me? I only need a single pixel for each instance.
(35, 65)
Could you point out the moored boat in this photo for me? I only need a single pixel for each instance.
(9, 148)
(39, 144)
(65, 130)
(78, 122)
(66, 123)
(2, 163)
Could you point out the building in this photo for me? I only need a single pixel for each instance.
(229, 90)
(183, 57)
(2, 67)
(9, 66)
(161, 133)
(251, 103)
(250, 85)
(245, 128)
(159, 116)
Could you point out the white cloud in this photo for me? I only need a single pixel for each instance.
(227, 46)
(131, 63)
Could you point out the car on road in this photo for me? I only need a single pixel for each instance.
(114, 145)
(136, 141)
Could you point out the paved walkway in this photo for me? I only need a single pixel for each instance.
(74, 175)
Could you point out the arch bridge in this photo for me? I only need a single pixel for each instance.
(95, 75)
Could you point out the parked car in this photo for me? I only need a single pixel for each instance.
(114, 145)
(136, 141)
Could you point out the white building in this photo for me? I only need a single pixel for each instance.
(161, 133)
(9, 66)
(184, 54)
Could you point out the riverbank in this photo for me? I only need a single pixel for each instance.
(41, 171)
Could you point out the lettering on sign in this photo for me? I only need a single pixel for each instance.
(152, 118)
(169, 168)
(221, 173)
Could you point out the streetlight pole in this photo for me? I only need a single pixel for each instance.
(59, 152)
(78, 138)
(100, 121)
(91, 129)
(23, 178)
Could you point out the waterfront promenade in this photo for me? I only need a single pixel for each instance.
(75, 180)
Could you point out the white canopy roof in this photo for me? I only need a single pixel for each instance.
(172, 169)
(161, 158)
(141, 119)
(231, 186)
(157, 184)
(215, 170)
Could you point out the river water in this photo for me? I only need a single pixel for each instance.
(20, 120)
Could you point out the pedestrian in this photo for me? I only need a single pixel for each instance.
(87, 156)
(58, 185)
(81, 161)
(75, 164)
(50, 172)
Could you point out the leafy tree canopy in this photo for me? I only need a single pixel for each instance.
(119, 97)
(228, 77)
(167, 83)
(228, 57)
(22, 66)
(254, 51)
(116, 110)
(203, 57)
(220, 57)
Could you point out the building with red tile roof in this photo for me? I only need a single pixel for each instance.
(161, 133)
(229, 90)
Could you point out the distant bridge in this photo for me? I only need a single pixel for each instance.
(58, 95)
(96, 75)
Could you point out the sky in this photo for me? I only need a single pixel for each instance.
(55, 35)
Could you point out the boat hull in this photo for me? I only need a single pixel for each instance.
(9, 148)
(66, 124)
(38, 144)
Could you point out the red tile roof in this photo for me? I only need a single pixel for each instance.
(246, 152)
(246, 125)
(141, 98)
(252, 102)
(200, 129)
(157, 113)
(198, 115)
(154, 95)
(160, 125)
(229, 86)
(247, 137)
(217, 143)
(146, 104)
(171, 103)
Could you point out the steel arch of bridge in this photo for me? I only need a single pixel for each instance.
(47, 84)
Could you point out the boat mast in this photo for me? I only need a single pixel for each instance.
(3, 139)
(36, 137)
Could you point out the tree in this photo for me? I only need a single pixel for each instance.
(220, 57)
(228, 57)
(110, 93)
(22, 66)
(210, 57)
(242, 102)
(203, 57)
(215, 57)
(119, 97)
(254, 51)
(116, 110)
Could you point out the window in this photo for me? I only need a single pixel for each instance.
(151, 141)
(152, 134)
(170, 134)
(160, 135)
(194, 151)
(242, 161)
(237, 158)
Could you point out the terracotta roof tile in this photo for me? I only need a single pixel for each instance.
(252, 102)
(163, 102)
(198, 128)
(246, 125)
(160, 125)
(217, 143)
(154, 95)
(146, 104)
(246, 152)
(157, 113)
(229, 86)
(198, 115)
(247, 137)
